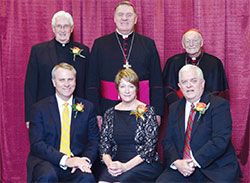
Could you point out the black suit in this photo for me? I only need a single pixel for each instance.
(210, 140)
(45, 133)
(43, 58)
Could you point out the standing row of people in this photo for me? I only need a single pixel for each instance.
(141, 91)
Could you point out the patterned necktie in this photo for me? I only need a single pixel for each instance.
(187, 150)
(65, 131)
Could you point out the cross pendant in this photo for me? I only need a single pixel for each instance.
(126, 65)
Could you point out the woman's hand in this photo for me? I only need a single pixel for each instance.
(116, 168)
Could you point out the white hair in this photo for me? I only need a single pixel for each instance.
(59, 14)
(183, 37)
(189, 67)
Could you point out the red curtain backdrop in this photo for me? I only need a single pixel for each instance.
(225, 26)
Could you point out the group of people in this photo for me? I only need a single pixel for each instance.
(110, 103)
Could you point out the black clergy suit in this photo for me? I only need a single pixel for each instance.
(43, 58)
(107, 60)
(211, 66)
(45, 133)
(210, 141)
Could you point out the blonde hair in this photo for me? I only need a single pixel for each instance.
(64, 66)
(128, 75)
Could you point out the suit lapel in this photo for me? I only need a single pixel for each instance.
(181, 118)
(53, 106)
(73, 124)
(204, 99)
(52, 52)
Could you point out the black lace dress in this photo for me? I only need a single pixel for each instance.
(124, 130)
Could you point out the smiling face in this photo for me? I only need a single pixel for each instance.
(192, 43)
(127, 91)
(65, 82)
(62, 29)
(125, 18)
(192, 86)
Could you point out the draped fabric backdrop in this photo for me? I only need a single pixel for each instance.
(225, 26)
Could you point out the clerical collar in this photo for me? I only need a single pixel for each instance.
(124, 36)
(60, 44)
(193, 60)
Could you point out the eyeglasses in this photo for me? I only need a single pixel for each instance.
(65, 27)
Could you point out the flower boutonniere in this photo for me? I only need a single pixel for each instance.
(140, 110)
(76, 52)
(77, 107)
(201, 108)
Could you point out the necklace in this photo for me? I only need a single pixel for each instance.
(198, 60)
(126, 65)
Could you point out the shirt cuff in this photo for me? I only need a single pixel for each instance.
(173, 166)
(63, 162)
(196, 164)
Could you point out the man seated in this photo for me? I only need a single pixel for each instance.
(197, 144)
(63, 133)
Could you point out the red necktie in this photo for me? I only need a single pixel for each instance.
(187, 150)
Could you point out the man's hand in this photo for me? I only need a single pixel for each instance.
(183, 166)
(99, 122)
(27, 124)
(77, 162)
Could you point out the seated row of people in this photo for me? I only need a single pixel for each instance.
(64, 135)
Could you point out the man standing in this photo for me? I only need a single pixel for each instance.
(197, 145)
(63, 133)
(124, 49)
(214, 74)
(45, 56)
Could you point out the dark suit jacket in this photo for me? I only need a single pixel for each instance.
(210, 139)
(42, 59)
(45, 133)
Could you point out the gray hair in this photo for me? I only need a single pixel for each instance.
(189, 67)
(183, 37)
(64, 66)
(59, 14)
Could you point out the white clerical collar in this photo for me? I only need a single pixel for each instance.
(124, 36)
(60, 101)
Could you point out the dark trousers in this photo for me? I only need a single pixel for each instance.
(46, 172)
(170, 175)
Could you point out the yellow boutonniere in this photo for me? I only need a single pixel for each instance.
(76, 51)
(140, 110)
(77, 107)
(201, 108)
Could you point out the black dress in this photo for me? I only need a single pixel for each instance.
(124, 134)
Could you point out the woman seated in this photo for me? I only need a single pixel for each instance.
(129, 136)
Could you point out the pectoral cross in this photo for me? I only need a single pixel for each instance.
(126, 65)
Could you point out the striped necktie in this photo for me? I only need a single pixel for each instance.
(187, 149)
(65, 131)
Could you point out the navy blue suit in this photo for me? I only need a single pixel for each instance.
(43, 58)
(210, 140)
(45, 133)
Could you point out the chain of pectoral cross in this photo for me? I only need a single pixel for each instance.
(126, 65)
